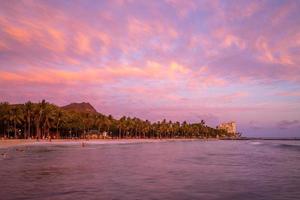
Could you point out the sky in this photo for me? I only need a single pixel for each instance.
(181, 60)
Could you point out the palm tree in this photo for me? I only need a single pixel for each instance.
(107, 123)
(176, 128)
(48, 119)
(28, 114)
(184, 126)
(58, 118)
(4, 117)
(202, 122)
(16, 118)
(122, 126)
(159, 129)
(38, 115)
(170, 129)
(74, 121)
(99, 122)
(87, 119)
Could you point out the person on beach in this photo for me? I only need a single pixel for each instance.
(21, 150)
(4, 155)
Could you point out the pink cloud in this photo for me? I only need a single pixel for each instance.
(177, 59)
(283, 11)
(228, 39)
(233, 97)
(83, 43)
(183, 8)
(289, 94)
(152, 71)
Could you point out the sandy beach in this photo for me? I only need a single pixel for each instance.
(21, 142)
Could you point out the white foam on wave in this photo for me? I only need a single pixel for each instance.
(256, 143)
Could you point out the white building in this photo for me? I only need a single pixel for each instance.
(230, 127)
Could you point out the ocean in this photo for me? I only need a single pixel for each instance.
(156, 170)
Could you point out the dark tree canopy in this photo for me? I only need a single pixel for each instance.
(45, 120)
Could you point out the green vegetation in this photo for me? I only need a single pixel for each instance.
(45, 120)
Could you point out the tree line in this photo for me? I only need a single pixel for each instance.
(46, 120)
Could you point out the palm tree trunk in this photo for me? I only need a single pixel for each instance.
(99, 127)
(38, 131)
(5, 131)
(29, 128)
(25, 131)
(57, 130)
(15, 129)
(108, 131)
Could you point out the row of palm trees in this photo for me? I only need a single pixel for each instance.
(45, 120)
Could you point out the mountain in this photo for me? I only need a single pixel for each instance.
(80, 107)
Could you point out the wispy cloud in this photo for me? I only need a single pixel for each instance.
(170, 56)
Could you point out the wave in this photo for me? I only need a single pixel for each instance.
(289, 146)
(278, 145)
(256, 143)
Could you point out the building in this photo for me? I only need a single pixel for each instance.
(95, 134)
(230, 127)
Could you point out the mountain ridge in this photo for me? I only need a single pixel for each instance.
(85, 107)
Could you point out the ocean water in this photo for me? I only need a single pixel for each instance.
(159, 170)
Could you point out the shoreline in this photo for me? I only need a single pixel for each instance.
(6, 143)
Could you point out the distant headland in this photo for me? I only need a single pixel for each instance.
(44, 120)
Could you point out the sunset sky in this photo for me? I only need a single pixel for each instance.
(180, 60)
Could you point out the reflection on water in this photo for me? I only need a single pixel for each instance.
(169, 170)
